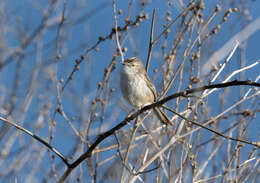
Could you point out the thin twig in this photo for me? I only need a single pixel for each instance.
(174, 21)
(213, 131)
(117, 37)
(120, 154)
(150, 42)
(137, 123)
(226, 61)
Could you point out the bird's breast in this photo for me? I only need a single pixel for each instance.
(135, 90)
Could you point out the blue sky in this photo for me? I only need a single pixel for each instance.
(23, 17)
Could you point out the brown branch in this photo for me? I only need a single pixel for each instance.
(151, 43)
(190, 91)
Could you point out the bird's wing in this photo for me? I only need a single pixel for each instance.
(150, 85)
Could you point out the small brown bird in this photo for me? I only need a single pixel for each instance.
(137, 88)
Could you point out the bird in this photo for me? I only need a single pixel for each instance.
(137, 89)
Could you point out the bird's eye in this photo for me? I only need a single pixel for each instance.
(130, 60)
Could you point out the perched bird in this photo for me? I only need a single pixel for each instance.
(137, 88)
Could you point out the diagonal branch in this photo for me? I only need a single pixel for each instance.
(36, 138)
(151, 43)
